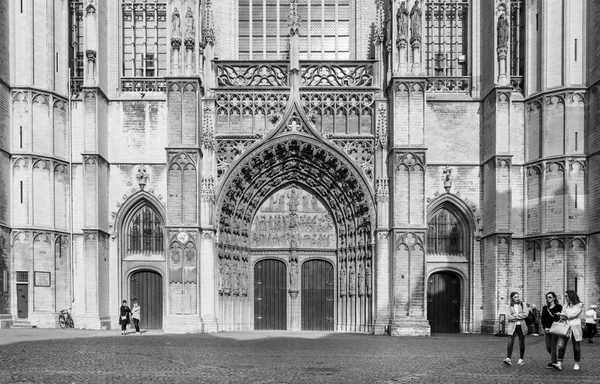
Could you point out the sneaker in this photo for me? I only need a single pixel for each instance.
(535, 334)
(550, 366)
(576, 367)
(137, 333)
(521, 362)
(557, 366)
(507, 361)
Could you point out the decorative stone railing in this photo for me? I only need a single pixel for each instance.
(252, 74)
(336, 74)
(456, 84)
(143, 84)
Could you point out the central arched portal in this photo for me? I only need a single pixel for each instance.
(299, 200)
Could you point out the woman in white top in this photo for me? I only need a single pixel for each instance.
(516, 315)
(135, 314)
(572, 315)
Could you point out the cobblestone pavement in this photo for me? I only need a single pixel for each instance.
(277, 357)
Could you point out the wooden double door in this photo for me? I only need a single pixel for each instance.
(271, 295)
(443, 302)
(146, 287)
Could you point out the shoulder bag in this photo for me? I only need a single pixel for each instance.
(560, 328)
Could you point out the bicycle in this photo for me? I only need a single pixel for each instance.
(65, 320)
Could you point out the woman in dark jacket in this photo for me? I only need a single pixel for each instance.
(550, 313)
(124, 313)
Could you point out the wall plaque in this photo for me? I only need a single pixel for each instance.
(41, 279)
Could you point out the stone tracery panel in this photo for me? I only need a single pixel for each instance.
(328, 75)
(340, 113)
(248, 75)
(248, 112)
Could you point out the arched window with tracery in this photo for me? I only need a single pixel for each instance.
(144, 232)
(445, 234)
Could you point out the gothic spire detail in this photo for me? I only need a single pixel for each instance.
(208, 32)
(294, 18)
(380, 23)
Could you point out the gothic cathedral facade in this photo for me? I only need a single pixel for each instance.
(376, 166)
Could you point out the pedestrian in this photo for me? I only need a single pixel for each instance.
(135, 314)
(550, 315)
(516, 314)
(591, 317)
(124, 313)
(536, 320)
(571, 313)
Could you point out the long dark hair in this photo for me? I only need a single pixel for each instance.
(573, 298)
(512, 294)
(553, 295)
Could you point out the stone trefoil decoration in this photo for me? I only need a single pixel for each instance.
(448, 179)
(142, 176)
(502, 49)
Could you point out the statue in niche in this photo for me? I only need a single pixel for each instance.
(342, 279)
(236, 278)
(361, 278)
(175, 256)
(415, 20)
(502, 31)
(293, 203)
(189, 22)
(368, 277)
(175, 24)
(293, 275)
(226, 277)
(244, 287)
(402, 19)
(220, 277)
(351, 279)
(282, 203)
(305, 203)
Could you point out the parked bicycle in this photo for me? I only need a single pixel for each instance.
(65, 320)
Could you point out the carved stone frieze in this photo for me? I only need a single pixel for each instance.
(410, 160)
(251, 75)
(382, 192)
(207, 191)
(329, 75)
(208, 129)
(381, 130)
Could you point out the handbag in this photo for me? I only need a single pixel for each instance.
(124, 317)
(560, 328)
(530, 319)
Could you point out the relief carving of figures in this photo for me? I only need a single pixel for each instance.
(293, 203)
(189, 23)
(402, 20)
(502, 31)
(415, 21)
(361, 278)
(351, 279)
(220, 277)
(244, 287)
(342, 280)
(175, 24)
(226, 278)
(236, 278)
(368, 277)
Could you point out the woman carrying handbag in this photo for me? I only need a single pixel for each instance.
(572, 316)
(549, 316)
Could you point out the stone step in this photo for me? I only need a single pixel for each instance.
(21, 324)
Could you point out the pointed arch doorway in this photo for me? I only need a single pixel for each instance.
(146, 287)
(270, 295)
(443, 302)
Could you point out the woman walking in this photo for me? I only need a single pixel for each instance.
(135, 314)
(572, 314)
(516, 314)
(124, 313)
(550, 313)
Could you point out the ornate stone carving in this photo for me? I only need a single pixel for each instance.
(410, 160)
(448, 179)
(379, 35)
(175, 25)
(208, 33)
(381, 128)
(449, 84)
(328, 75)
(402, 18)
(368, 278)
(208, 129)
(351, 279)
(207, 191)
(189, 24)
(342, 278)
(359, 150)
(142, 176)
(230, 149)
(255, 75)
(382, 193)
(361, 279)
(294, 18)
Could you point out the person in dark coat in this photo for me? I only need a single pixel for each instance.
(124, 314)
(550, 313)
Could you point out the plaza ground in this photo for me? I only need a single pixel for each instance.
(83, 356)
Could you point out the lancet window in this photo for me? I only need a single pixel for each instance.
(144, 232)
(324, 29)
(144, 38)
(76, 52)
(445, 234)
(447, 37)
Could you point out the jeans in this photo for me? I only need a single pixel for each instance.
(562, 346)
(551, 341)
(123, 326)
(591, 330)
(136, 323)
(511, 340)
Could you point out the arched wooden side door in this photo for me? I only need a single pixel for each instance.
(147, 289)
(317, 296)
(443, 302)
(270, 295)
